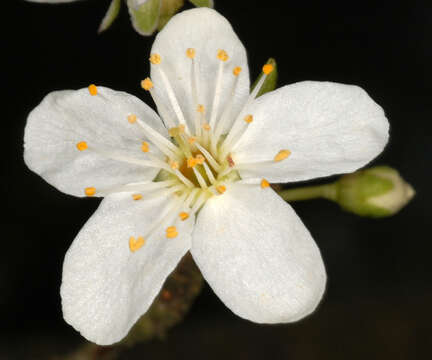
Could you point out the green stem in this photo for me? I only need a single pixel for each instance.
(327, 191)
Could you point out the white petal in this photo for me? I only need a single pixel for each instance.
(206, 31)
(257, 255)
(329, 128)
(65, 118)
(106, 287)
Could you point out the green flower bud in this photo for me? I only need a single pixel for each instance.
(375, 192)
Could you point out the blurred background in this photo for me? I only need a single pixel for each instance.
(377, 304)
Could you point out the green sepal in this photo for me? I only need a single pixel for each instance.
(270, 82)
(145, 17)
(167, 11)
(203, 3)
(110, 15)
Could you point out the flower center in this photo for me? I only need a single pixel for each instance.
(197, 161)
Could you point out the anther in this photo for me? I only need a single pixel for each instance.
(181, 128)
(192, 139)
(264, 183)
(145, 147)
(183, 216)
(92, 89)
(191, 162)
(248, 118)
(200, 108)
(132, 118)
(81, 146)
(206, 127)
(221, 189)
(137, 244)
(237, 70)
(171, 232)
(267, 68)
(174, 165)
(137, 196)
(281, 155)
(155, 59)
(222, 55)
(190, 53)
(90, 191)
(147, 84)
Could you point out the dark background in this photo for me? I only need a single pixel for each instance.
(378, 300)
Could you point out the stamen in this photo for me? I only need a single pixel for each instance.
(132, 118)
(267, 69)
(92, 89)
(155, 59)
(191, 162)
(183, 216)
(237, 70)
(206, 127)
(137, 196)
(171, 95)
(222, 55)
(230, 161)
(192, 139)
(137, 244)
(221, 189)
(264, 183)
(147, 84)
(145, 147)
(214, 164)
(209, 173)
(200, 179)
(200, 159)
(190, 53)
(174, 165)
(200, 201)
(81, 146)
(281, 155)
(248, 118)
(171, 232)
(200, 108)
(90, 191)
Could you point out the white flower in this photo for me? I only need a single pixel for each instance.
(212, 197)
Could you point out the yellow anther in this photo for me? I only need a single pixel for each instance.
(174, 165)
(171, 232)
(200, 108)
(190, 53)
(206, 127)
(281, 155)
(248, 118)
(155, 59)
(181, 128)
(183, 216)
(237, 70)
(264, 183)
(137, 196)
(147, 84)
(92, 90)
(191, 162)
(90, 191)
(174, 131)
(81, 146)
(222, 55)
(267, 68)
(200, 159)
(145, 147)
(132, 118)
(221, 189)
(192, 139)
(136, 244)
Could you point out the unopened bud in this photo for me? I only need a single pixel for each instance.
(379, 191)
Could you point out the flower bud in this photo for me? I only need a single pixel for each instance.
(375, 192)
